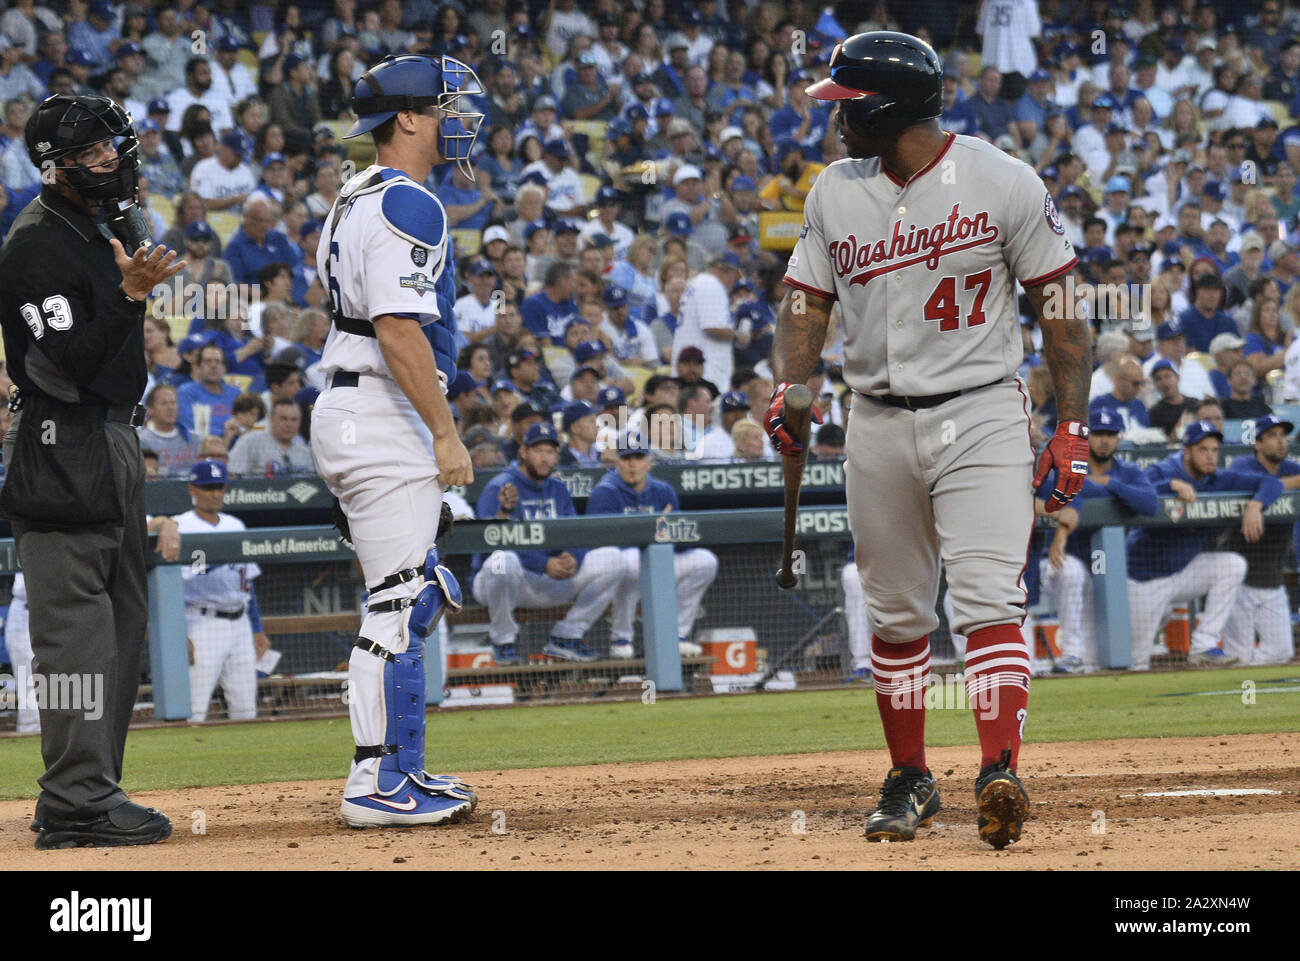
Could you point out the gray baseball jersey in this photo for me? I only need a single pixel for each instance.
(925, 270)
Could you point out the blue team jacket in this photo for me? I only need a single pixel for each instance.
(1127, 484)
(541, 501)
(1160, 551)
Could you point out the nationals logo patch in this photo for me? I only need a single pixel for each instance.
(1053, 218)
(419, 256)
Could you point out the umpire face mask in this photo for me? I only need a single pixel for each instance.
(90, 146)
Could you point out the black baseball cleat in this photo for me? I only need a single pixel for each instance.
(38, 817)
(909, 799)
(1002, 802)
(128, 823)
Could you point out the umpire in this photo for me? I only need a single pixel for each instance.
(72, 311)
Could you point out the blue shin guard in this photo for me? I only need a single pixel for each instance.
(404, 686)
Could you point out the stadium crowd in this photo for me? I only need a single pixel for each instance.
(608, 251)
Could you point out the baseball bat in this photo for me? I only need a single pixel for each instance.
(798, 421)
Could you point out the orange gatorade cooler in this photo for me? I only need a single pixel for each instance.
(1178, 631)
(735, 649)
(1046, 639)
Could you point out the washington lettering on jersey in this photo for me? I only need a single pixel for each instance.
(956, 233)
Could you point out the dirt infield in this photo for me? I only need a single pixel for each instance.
(744, 813)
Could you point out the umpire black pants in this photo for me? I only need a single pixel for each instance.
(87, 595)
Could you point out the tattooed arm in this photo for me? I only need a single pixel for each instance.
(800, 335)
(1067, 346)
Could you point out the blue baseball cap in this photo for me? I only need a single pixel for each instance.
(615, 296)
(233, 140)
(566, 226)
(734, 400)
(1039, 75)
(679, 224)
(194, 342)
(1104, 100)
(500, 385)
(607, 195)
(146, 126)
(480, 268)
(786, 146)
(632, 443)
(1106, 420)
(79, 58)
(1214, 189)
(126, 49)
(610, 397)
(1269, 421)
(742, 182)
(556, 147)
(1198, 431)
(1162, 364)
(199, 230)
(1115, 184)
(618, 127)
(587, 350)
(542, 433)
(310, 227)
(575, 412)
(227, 44)
(535, 226)
(1169, 330)
(159, 105)
(463, 384)
(208, 473)
(533, 177)
(638, 111)
(600, 240)
(1070, 191)
(274, 157)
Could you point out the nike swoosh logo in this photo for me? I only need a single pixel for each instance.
(408, 806)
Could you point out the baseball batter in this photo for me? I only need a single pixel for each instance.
(221, 614)
(921, 235)
(382, 431)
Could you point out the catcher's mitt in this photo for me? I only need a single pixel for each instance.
(445, 521)
(341, 522)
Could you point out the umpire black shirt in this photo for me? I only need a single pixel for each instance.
(69, 331)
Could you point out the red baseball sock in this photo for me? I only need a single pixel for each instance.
(899, 673)
(997, 687)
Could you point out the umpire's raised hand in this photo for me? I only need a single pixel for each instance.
(146, 270)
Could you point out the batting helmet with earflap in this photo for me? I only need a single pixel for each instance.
(887, 80)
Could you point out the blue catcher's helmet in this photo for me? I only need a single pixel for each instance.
(412, 83)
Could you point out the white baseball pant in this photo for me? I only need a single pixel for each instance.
(223, 651)
(502, 585)
(694, 570)
(18, 641)
(1261, 611)
(376, 456)
(857, 617)
(1068, 588)
(861, 628)
(1216, 575)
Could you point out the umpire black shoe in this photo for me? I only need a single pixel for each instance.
(38, 817)
(909, 799)
(1002, 802)
(128, 823)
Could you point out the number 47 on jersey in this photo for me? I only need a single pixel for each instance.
(944, 306)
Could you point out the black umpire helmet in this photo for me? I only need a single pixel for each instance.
(887, 81)
(63, 126)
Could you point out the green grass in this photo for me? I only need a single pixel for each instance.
(1069, 709)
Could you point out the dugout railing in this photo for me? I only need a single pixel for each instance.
(747, 541)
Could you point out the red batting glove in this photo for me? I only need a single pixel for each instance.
(1067, 452)
(774, 422)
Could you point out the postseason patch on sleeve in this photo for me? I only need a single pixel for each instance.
(1053, 218)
